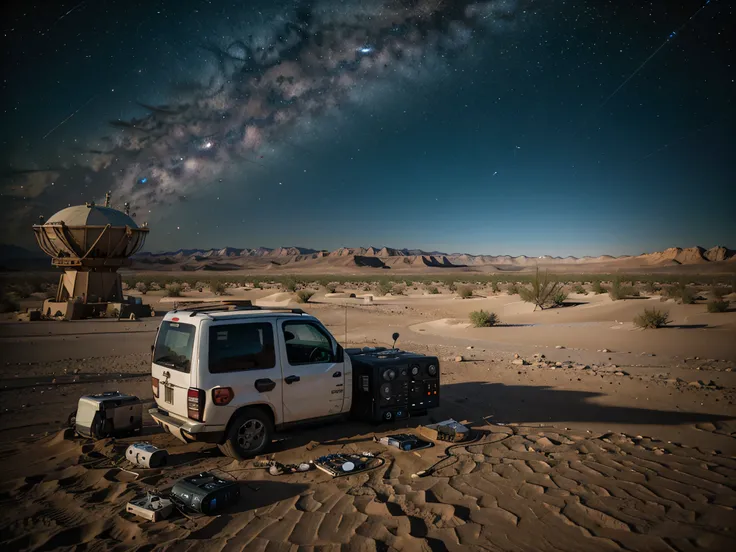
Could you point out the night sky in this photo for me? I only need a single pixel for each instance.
(498, 127)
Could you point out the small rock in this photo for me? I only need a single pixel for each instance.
(469, 347)
(516, 355)
(620, 373)
(520, 362)
(459, 358)
(77, 370)
(696, 384)
(605, 351)
(559, 347)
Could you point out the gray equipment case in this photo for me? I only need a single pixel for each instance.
(108, 414)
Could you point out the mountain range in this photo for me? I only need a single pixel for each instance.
(348, 258)
(301, 258)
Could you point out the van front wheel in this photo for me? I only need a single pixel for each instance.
(249, 434)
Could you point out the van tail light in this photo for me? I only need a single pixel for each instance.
(195, 404)
(222, 395)
(154, 387)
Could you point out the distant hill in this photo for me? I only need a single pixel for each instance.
(346, 258)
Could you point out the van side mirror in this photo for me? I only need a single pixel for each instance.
(395, 337)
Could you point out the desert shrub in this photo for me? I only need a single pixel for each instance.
(494, 286)
(398, 289)
(482, 319)
(141, 288)
(125, 285)
(7, 304)
(542, 292)
(186, 287)
(718, 292)
(581, 290)
(173, 290)
(383, 288)
(303, 296)
(366, 288)
(686, 295)
(717, 305)
(331, 288)
(452, 287)
(652, 318)
(649, 287)
(619, 291)
(154, 286)
(257, 284)
(432, 290)
(218, 288)
(559, 298)
(464, 292)
(598, 288)
(513, 288)
(290, 284)
(22, 290)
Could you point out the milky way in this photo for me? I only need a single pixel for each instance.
(303, 66)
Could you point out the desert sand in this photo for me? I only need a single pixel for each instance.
(599, 436)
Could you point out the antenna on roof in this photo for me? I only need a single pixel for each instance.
(126, 208)
(107, 199)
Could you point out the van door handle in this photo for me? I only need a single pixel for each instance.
(337, 375)
(265, 385)
(292, 379)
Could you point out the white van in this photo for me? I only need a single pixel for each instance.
(231, 375)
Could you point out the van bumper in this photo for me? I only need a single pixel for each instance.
(188, 431)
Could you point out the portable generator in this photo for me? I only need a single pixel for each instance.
(108, 414)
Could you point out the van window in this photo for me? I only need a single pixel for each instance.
(238, 347)
(306, 343)
(174, 346)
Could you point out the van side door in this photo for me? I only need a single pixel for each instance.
(241, 354)
(313, 370)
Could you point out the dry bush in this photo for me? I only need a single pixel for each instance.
(331, 287)
(290, 284)
(717, 305)
(494, 286)
(383, 288)
(559, 298)
(432, 290)
(542, 292)
(620, 291)
(217, 287)
(581, 290)
(483, 319)
(598, 289)
(652, 318)
(398, 289)
(141, 288)
(173, 290)
(513, 288)
(7, 304)
(464, 292)
(303, 296)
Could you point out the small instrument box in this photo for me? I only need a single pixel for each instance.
(145, 455)
(205, 493)
(108, 414)
(150, 507)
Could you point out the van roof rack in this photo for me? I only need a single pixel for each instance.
(228, 305)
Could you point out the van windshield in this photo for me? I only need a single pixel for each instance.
(174, 346)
